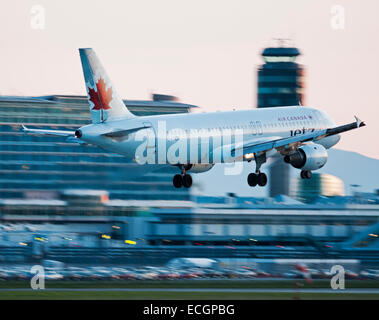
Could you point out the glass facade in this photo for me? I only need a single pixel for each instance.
(34, 166)
(321, 184)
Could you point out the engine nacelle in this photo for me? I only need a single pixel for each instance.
(310, 156)
(199, 167)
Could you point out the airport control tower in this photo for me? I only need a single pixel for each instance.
(280, 83)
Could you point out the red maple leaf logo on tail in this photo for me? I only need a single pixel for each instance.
(102, 97)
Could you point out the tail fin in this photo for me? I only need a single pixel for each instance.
(105, 104)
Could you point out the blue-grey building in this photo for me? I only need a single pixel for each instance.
(34, 166)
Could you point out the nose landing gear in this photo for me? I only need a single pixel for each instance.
(305, 174)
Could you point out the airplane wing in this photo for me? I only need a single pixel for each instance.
(292, 142)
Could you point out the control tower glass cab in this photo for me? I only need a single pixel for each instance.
(280, 78)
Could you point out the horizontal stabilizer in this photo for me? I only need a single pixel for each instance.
(70, 135)
(60, 133)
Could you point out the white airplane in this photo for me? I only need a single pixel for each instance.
(299, 134)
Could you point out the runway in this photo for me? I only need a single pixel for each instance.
(226, 290)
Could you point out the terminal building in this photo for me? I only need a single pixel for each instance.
(88, 227)
(38, 167)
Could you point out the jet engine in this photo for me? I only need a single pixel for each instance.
(310, 156)
(199, 167)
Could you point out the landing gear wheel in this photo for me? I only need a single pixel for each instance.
(177, 181)
(252, 179)
(262, 179)
(187, 181)
(305, 174)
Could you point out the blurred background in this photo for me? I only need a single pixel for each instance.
(77, 210)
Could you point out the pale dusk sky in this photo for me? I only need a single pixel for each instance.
(206, 52)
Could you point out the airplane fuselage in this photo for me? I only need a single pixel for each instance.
(170, 134)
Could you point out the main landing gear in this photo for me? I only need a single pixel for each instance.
(182, 179)
(305, 174)
(258, 178)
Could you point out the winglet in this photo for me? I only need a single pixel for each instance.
(359, 122)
